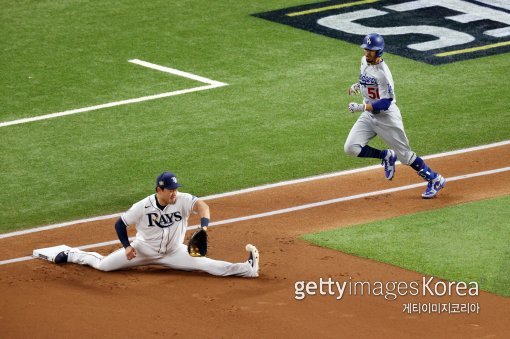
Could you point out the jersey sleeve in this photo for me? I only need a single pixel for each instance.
(134, 214)
(188, 202)
(385, 86)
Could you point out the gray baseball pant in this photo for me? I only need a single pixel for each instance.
(388, 126)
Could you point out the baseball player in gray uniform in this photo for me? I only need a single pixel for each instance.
(381, 116)
(161, 220)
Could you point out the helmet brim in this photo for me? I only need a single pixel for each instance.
(365, 46)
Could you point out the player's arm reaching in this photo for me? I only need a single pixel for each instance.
(202, 209)
(121, 229)
(198, 243)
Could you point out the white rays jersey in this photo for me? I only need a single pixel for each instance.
(159, 241)
(162, 230)
(376, 82)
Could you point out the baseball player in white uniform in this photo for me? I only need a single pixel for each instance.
(161, 220)
(381, 116)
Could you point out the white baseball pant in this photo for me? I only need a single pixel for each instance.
(178, 259)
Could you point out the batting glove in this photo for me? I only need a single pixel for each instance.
(354, 107)
(355, 89)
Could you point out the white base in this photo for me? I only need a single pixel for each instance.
(49, 253)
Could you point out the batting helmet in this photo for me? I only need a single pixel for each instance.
(374, 42)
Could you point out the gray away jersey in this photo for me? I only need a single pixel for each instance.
(376, 82)
(163, 230)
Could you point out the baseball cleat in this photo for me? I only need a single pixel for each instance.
(434, 186)
(61, 258)
(389, 163)
(254, 258)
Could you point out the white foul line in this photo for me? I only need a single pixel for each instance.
(351, 197)
(297, 208)
(253, 189)
(356, 170)
(210, 84)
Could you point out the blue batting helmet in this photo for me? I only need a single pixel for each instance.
(374, 42)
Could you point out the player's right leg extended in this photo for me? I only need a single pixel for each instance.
(181, 260)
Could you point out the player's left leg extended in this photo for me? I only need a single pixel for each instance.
(391, 130)
(181, 260)
(357, 144)
(435, 180)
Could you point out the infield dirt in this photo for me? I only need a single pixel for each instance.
(43, 300)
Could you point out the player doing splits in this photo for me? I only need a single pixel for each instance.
(161, 220)
(381, 116)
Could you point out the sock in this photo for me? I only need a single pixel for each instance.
(423, 170)
(370, 152)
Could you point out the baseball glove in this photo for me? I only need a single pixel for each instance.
(197, 245)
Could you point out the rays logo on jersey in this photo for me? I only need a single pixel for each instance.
(163, 220)
(431, 31)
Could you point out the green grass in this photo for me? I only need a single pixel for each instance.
(283, 115)
(460, 243)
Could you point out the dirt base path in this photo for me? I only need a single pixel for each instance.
(42, 300)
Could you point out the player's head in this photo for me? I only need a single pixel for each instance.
(167, 180)
(166, 188)
(374, 42)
